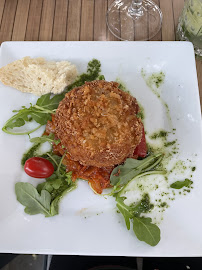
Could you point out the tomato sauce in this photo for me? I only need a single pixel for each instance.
(98, 178)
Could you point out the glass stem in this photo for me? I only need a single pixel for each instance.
(135, 8)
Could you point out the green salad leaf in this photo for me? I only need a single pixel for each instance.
(132, 168)
(125, 210)
(146, 231)
(180, 184)
(143, 227)
(40, 113)
(46, 197)
(120, 178)
(48, 103)
(54, 209)
(45, 138)
(35, 203)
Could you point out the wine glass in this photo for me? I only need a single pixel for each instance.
(134, 19)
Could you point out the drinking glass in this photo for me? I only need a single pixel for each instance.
(190, 24)
(134, 19)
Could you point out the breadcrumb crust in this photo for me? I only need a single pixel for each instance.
(97, 124)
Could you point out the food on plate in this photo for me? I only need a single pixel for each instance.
(92, 122)
(96, 133)
(38, 167)
(38, 76)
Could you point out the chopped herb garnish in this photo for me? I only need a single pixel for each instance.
(160, 134)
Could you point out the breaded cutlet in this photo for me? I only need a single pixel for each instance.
(98, 125)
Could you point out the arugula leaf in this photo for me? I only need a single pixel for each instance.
(180, 184)
(40, 117)
(143, 228)
(42, 186)
(58, 184)
(28, 196)
(59, 181)
(55, 204)
(41, 113)
(125, 210)
(45, 138)
(120, 177)
(122, 174)
(43, 100)
(46, 197)
(40, 201)
(146, 231)
(18, 120)
(55, 160)
(58, 188)
(54, 209)
(48, 103)
(17, 123)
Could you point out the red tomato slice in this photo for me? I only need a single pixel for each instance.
(38, 167)
(141, 149)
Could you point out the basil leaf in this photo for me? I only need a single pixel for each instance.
(180, 184)
(146, 231)
(28, 196)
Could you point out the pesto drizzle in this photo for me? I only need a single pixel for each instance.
(93, 73)
(30, 153)
(154, 81)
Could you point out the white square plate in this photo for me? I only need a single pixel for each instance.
(88, 224)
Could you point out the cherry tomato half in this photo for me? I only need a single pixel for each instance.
(38, 167)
